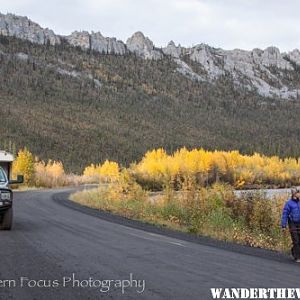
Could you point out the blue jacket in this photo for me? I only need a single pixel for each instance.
(291, 211)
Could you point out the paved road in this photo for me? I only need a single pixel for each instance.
(51, 241)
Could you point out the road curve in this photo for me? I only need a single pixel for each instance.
(51, 241)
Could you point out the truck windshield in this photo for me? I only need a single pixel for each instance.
(2, 175)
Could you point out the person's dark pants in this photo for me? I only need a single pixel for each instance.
(295, 235)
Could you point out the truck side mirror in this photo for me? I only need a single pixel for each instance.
(20, 179)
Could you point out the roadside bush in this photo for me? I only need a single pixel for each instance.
(38, 173)
(215, 211)
(49, 174)
(125, 188)
(24, 165)
(109, 171)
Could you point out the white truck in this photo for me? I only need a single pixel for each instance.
(6, 194)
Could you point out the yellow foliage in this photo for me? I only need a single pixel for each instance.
(92, 171)
(24, 165)
(109, 171)
(210, 166)
(49, 174)
(125, 189)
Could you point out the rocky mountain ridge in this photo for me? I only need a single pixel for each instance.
(268, 72)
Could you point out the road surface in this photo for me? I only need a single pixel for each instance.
(52, 241)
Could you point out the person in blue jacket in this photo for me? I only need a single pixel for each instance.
(291, 216)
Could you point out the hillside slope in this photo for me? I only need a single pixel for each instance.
(81, 107)
(267, 72)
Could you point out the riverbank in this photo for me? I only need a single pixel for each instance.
(215, 212)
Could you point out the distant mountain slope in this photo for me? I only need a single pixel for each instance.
(268, 72)
(84, 106)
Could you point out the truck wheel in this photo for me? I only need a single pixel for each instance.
(7, 220)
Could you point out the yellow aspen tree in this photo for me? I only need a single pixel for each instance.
(110, 170)
(24, 165)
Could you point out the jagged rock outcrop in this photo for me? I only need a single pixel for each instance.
(268, 72)
(248, 69)
(172, 50)
(23, 28)
(106, 45)
(187, 71)
(97, 42)
(143, 46)
(294, 56)
(272, 57)
(204, 55)
(79, 39)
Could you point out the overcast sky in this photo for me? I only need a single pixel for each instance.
(228, 24)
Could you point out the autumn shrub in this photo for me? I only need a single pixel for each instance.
(125, 188)
(50, 174)
(214, 211)
(108, 172)
(92, 173)
(24, 165)
(123, 195)
(38, 173)
(207, 167)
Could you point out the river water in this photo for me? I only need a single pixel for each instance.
(269, 193)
